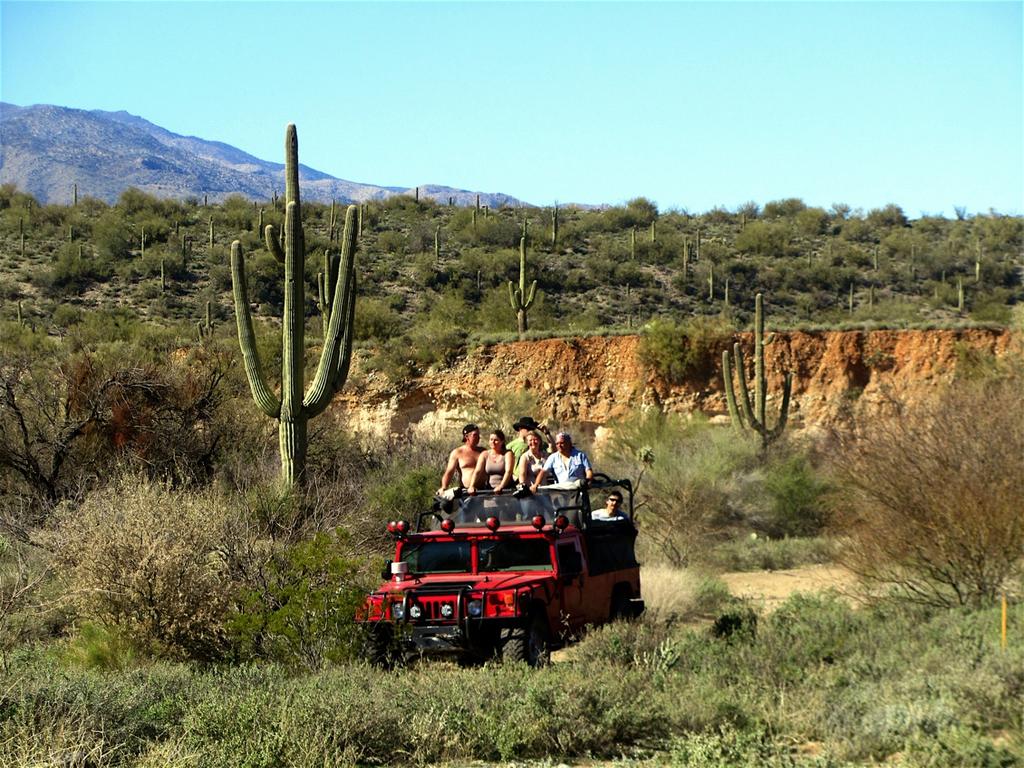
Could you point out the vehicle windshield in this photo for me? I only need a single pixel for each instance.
(515, 555)
(438, 556)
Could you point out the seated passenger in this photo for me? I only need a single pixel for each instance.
(567, 463)
(494, 465)
(612, 509)
(523, 428)
(532, 461)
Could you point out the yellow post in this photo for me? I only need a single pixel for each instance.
(1002, 641)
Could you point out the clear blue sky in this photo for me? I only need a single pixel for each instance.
(690, 104)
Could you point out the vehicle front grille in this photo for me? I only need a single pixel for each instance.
(436, 609)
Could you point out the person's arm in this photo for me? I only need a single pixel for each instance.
(453, 465)
(538, 479)
(542, 474)
(507, 477)
(521, 469)
(586, 467)
(480, 463)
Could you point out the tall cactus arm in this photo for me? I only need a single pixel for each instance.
(337, 351)
(514, 296)
(730, 395)
(273, 243)
(530, 295)
(261, 393)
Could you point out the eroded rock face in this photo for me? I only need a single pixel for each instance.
(837, 376)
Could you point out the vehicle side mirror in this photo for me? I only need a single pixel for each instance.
(386, 573)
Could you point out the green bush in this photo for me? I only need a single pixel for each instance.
(303, 612)
(797, 493)
(681, 351)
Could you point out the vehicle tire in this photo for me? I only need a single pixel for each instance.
(379, 647)
(621, 609)
(529, 644)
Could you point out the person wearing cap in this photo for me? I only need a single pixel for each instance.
(566, 463)
(524, 427)
(463, 459)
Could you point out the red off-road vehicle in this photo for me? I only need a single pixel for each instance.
(505, 576)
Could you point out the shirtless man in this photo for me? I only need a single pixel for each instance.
(463, 459)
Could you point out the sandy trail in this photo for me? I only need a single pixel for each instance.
(772, 588)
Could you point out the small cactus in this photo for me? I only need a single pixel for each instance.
(521, 298)
(554, 226)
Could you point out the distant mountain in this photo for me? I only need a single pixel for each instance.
(45, 150)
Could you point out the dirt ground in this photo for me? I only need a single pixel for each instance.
(771, 588)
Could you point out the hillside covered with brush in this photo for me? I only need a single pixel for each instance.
(436, 278)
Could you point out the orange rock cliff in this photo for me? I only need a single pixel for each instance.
(837, 376)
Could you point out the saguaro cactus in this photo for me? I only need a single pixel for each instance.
(294, 408)
(522, 299)
(753, 414)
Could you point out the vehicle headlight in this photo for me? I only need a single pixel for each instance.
(447, 610)
(475, 607)
(397, 611)
(415, 611)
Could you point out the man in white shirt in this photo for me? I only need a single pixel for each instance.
(566, 463)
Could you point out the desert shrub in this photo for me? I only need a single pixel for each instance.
(761, 553)
(112, 237)
(929, 496)
(680, 351)
(24, 572)
(638, 212)
(66, 415)
(811, 221)
(785, 208)
(376, 319)
(145, 559)
(303, 609)
(687, 475)
(796, 492)
(402, 494)
(768, 239)
(886, 217)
